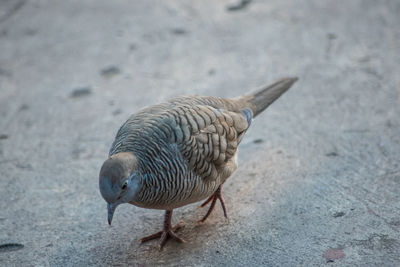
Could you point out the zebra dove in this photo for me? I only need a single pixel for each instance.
(180, 152)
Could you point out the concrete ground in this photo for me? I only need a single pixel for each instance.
(319, 176)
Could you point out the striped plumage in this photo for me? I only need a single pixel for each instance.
(186, 148)
(181, 151)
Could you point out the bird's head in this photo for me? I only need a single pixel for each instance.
(118, 180)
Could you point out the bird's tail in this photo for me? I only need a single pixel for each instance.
(261, 99)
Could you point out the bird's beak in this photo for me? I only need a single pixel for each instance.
(111, 208)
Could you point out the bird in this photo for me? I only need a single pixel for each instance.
(179, 152)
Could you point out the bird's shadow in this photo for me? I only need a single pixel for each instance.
(195, 234)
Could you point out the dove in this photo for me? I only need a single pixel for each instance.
(180, 152)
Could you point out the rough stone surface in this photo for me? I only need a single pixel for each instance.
(319, 171)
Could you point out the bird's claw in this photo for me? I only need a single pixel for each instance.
(165, 235)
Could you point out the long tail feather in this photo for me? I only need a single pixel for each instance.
(264, 97)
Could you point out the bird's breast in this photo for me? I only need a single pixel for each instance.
(161, 193)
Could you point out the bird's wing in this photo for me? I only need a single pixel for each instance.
(208, 137)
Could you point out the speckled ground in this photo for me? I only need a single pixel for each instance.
(319, 179)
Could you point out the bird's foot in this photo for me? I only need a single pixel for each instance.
(159, 234)
(213, 199)
(166, 233)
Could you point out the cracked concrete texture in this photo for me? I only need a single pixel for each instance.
(318, 182)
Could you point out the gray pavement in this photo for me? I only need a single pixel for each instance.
(319, 176)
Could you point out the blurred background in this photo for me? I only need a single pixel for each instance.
(319, 174)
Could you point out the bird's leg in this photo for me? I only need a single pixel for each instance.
(213, 198)
(207, 201)
(167, 232)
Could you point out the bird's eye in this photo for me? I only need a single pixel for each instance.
(124, 185)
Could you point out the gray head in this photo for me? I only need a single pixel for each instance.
(118, 180)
